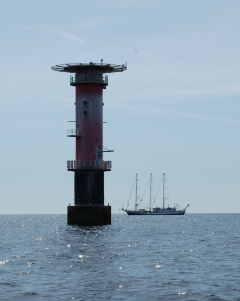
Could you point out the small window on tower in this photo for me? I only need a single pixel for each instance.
(96, 140)
(96, 125)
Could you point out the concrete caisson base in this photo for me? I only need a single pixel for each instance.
(89, 215)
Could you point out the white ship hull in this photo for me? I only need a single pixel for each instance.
(161, 212)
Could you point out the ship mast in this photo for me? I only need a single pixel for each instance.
(136, 199)
(150, 205)
(163, 189)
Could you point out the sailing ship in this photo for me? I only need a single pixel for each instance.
(157, 210)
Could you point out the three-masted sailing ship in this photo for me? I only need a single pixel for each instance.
(156, 210)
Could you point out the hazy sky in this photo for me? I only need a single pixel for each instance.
(175, 110)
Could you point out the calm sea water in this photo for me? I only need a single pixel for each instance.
(191, 257)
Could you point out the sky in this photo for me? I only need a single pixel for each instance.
(174, 111)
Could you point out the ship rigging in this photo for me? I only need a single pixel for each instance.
(155, 210)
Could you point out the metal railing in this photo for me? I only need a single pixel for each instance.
(73, 133)
(89, 164)
(88, 78)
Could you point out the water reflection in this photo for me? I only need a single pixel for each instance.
(160, 257)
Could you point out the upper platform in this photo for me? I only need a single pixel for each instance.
(74, 68)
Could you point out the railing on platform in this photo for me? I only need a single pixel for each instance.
(88, 78)
(73, 133)
(89, 164)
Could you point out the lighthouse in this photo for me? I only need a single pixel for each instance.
(89, 79)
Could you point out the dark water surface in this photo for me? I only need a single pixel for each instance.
(191, 257)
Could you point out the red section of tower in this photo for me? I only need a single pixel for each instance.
(89, 122)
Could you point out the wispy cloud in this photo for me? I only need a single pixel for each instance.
(142, 110)
(95, 22)
(196, 116)
(65, 34)
(153, 56)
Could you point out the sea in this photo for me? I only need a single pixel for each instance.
(190, 257)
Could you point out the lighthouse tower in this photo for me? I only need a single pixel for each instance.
(89, 167)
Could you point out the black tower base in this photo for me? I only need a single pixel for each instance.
(89, 188)
(89, 215)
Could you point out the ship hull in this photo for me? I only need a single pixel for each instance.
(155, 213)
